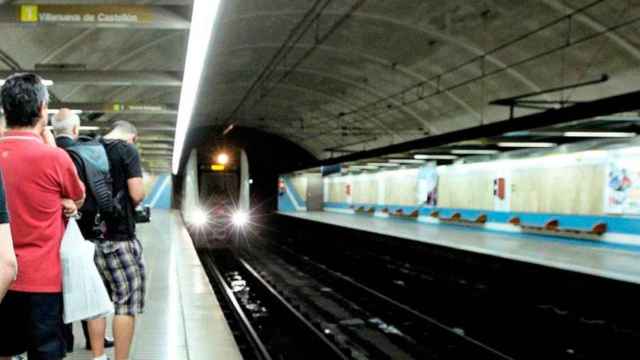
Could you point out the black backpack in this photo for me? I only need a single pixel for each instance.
(98, 182)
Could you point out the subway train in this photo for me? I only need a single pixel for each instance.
(216, 197)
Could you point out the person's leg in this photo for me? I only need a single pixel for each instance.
(46, 337)
(123, 328)
(85, 331)
(123, 271)
(97, 329)
(68, 337)
(131, 302)
(14, 331)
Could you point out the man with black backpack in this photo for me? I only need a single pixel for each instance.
(91, 161)
(119, 255)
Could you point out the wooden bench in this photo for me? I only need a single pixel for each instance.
(457, 218)
(552, 227)
(367, 211)
(401, 214)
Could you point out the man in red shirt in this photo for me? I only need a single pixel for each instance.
(42, 186)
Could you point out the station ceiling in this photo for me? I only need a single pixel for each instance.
(332, 76)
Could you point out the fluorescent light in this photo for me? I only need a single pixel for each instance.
(526, 144)
(474, 152)
(55, 111)
(434, 157)
(381, 164)
(44, 82)
(407, 161)
(597, 134)
(203, 19)
(363, 167)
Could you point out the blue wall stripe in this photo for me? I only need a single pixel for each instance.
(616, 224)
(163, 199)
(284, 203)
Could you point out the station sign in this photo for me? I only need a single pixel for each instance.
(139, 108)
(85, 14)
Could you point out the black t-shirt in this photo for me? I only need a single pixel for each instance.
(124, 163)
(4, 214)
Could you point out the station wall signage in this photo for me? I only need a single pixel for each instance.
(92, 14)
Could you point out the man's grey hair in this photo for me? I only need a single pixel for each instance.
(64, 122)
(124, 127)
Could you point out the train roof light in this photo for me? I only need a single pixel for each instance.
(222, 159)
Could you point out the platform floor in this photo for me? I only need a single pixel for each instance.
(182, 320)
(575, 256)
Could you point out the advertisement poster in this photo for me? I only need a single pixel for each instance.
(428, 185)
(622, 195)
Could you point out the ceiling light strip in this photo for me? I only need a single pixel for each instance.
(599, 134)
(203, 18)
(45, 82)
(527, 144)
(474, 152)
(434, 157)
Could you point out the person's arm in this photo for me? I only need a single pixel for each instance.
(8, 263)
(133, 168)
(48, 138)
(136, 190)
(69, 207)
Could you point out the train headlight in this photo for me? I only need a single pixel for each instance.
(240, 218)
(199, 217)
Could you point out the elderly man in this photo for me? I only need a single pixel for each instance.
(41, 185)
(66, 126)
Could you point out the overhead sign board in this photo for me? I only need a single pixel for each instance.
(87, 14)
(137, 108)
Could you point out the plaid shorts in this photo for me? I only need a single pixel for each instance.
(122, 268)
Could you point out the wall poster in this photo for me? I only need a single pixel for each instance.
(428, 185)
(622, 193)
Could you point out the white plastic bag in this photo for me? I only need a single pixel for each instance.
(84, 294)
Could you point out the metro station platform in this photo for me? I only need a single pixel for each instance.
(573, 255)
(182, 319)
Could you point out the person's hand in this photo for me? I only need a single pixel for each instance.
(69, 207)
(48, 138)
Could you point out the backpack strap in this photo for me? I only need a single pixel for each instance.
(94, 181)
(78, 159)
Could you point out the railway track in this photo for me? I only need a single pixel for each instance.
(358, 322)
(483, 301)
(265, 324)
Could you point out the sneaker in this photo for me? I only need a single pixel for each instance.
(108, 343)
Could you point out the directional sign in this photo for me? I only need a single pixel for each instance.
(103, 16)
(115, 14)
